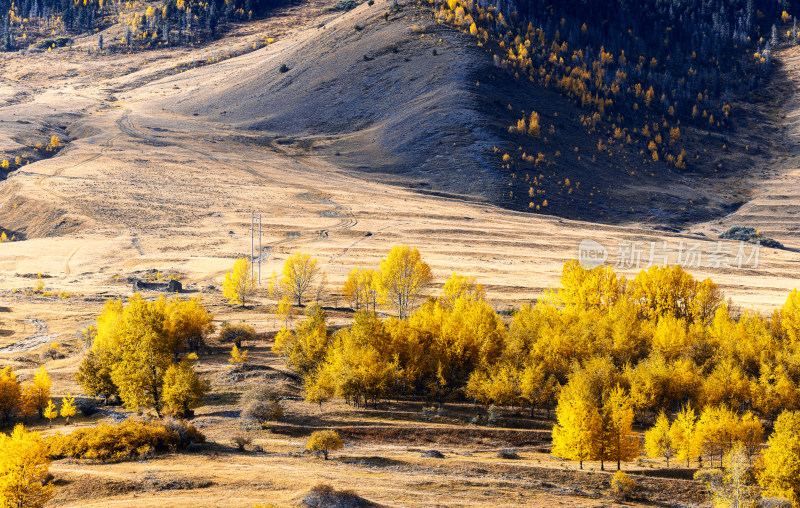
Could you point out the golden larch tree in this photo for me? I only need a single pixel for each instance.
(620, 443)
(10, 394)
(68, 409)
(239, 283)
(780, 476)
(579, 431)
(324, 442)
(685, 435)
(404, 275)
(658, 441)
(37, 393)
(24, 468)
(50, 412)
(300, 273)
(183, 388)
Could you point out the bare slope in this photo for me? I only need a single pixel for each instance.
(390, 92)
(368, 88)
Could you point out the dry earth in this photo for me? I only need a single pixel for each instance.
(152, 180)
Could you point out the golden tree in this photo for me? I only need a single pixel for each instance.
(135, 345)
(620, 443)
(459, 286)
(657, 439)
(189, 322)
(305, 348)
(51, 412)
(579, 432)
(10, 394)
(24, 468)
(780, 476)
(300, 273)
(68, 408)
(403, 278)
(238, 358)
(319, 388)
(183, 388)
(685, 435)
(361, 288)
(324, 442)
(352, 290)
(729, 487)
(239, 283)
(285, 310)
(37, 393)
(94, 375)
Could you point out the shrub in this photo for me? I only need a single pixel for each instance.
(325, 496)
(748, 234)
(236, 333)
(622, 487)
(343, 5)
(324, 441)
(283, 68)
(263, 411)
(241, 441)
(59, 42)
(128, 440)
(507, 453)
(263, 403)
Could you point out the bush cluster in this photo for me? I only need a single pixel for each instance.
(129, 440)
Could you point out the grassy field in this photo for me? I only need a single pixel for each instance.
(145, 184)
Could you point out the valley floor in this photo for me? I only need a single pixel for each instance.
(138, 188)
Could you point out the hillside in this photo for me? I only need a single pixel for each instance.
(389, 125)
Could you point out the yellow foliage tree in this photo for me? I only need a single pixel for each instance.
(657, 439)
(324, 441)
(139, 341)
(300, 272)
(239, 283)
(533, 125)
(190, 323)
(24, 468)
(183, 388)
(305, 348)
(404, 275)
(10, 394)
(37, 393)
(579, 432)
(361, 288)
(685, 435)
(780, 475)
(458, 286)
(620, 443)
(238, 358)
(68, 408)
(51, 412)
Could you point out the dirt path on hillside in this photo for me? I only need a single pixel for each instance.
(40, 337)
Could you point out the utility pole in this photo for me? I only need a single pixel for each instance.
(259, 249)
(252, 241)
